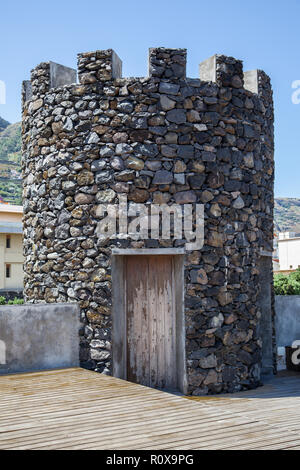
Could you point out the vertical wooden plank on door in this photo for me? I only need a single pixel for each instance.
(161, 273)
(136, 309)
(160, 266)
(153, 303)
(143, 351)
(170, 328)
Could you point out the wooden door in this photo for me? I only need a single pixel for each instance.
(151, 321)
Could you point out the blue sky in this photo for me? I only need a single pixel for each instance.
(263, 33)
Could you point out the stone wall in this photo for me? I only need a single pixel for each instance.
(160, 139)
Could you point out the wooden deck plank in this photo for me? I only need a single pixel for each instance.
(111, 422)
(79, 409)
(135, 436)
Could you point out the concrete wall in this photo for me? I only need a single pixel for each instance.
(266, 320)
(287, 319)
(37, 337)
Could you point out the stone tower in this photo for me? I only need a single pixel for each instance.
(161, 139)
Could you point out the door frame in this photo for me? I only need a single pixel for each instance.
(119, 320)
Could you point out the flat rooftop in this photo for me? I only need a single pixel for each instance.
(11, 208)
(11, 227)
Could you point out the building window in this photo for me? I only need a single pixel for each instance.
(7, 270)
(7, 241)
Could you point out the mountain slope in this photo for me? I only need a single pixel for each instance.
(10, 162)
(3, 124)
(287, 214)
(10, 143)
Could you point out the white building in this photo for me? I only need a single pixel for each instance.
(11, 247)
(289, 251)
(275, 257)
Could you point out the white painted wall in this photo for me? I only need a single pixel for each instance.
(289, 253)
(284, 235)
(14, 257)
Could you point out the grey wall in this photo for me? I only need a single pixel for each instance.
(266, 321)
(287, 319)
(37, 337)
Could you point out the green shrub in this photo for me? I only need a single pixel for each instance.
(287, 285)
(16, 301)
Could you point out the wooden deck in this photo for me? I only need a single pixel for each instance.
(79, 409)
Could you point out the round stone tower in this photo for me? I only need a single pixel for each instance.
(165, 141)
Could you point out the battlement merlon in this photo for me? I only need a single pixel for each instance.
(223, 70)
(46, 76)
(60, 75)
(257, 81)
(167, 63)
(99, 66)
(228, 71)
(26, 91)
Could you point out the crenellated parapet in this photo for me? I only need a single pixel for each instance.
(159, 139)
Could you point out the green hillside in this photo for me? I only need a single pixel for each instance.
(10, 162)
(3, 124)
(287, 214)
